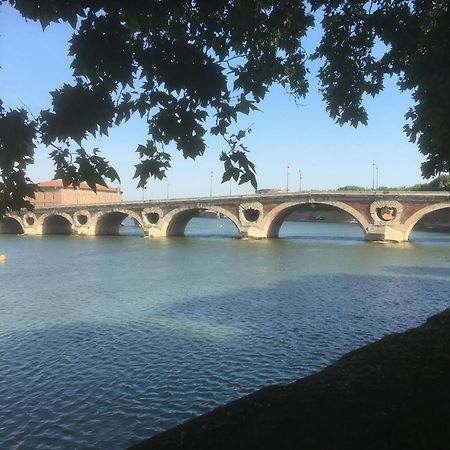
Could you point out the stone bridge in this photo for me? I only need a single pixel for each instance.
(382, 216)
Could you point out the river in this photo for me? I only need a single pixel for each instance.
(106, 341)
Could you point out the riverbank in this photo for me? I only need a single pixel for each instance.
(392, 394)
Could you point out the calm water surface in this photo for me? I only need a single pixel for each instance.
(105, 341)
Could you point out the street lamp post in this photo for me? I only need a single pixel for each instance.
(287, 178)
(373, 175)
(210, 183)
(299, 180)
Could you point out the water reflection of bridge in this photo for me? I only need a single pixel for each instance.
(382, 216)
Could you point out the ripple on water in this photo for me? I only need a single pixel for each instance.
(107, 362)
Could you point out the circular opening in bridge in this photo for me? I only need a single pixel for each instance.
(82, 219)
(29, 221)
(252, 215)
(433, 227)
(152, 217)
(386, 213)
(316, 222)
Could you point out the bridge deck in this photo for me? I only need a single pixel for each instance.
(416, 196)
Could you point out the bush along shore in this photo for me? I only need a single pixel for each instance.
(392, 394)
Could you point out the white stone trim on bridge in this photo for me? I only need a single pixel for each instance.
(30, 224)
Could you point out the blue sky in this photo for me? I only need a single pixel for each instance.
(303, 137)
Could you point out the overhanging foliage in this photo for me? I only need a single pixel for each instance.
(191, 67)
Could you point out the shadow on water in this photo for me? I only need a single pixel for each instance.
(431, 240)
(127, 368)
(421, 271)
(429, 237)
(207, 236)
(322, 238)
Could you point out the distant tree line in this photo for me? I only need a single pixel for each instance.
(441, 183)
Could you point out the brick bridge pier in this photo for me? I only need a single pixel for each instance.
(382, 216)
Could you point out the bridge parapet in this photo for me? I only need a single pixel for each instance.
(382, 216)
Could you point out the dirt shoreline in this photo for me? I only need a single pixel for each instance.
(392, 394)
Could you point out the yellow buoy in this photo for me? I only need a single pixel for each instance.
(2, 258)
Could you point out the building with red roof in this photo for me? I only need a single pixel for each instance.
(53, 193)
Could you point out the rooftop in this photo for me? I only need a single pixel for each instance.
(84, 186)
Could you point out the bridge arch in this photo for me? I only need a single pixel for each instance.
(11, 225)
(272, 222)
(414, 219)
(60, 223)
(108, 223)
(174, 223)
